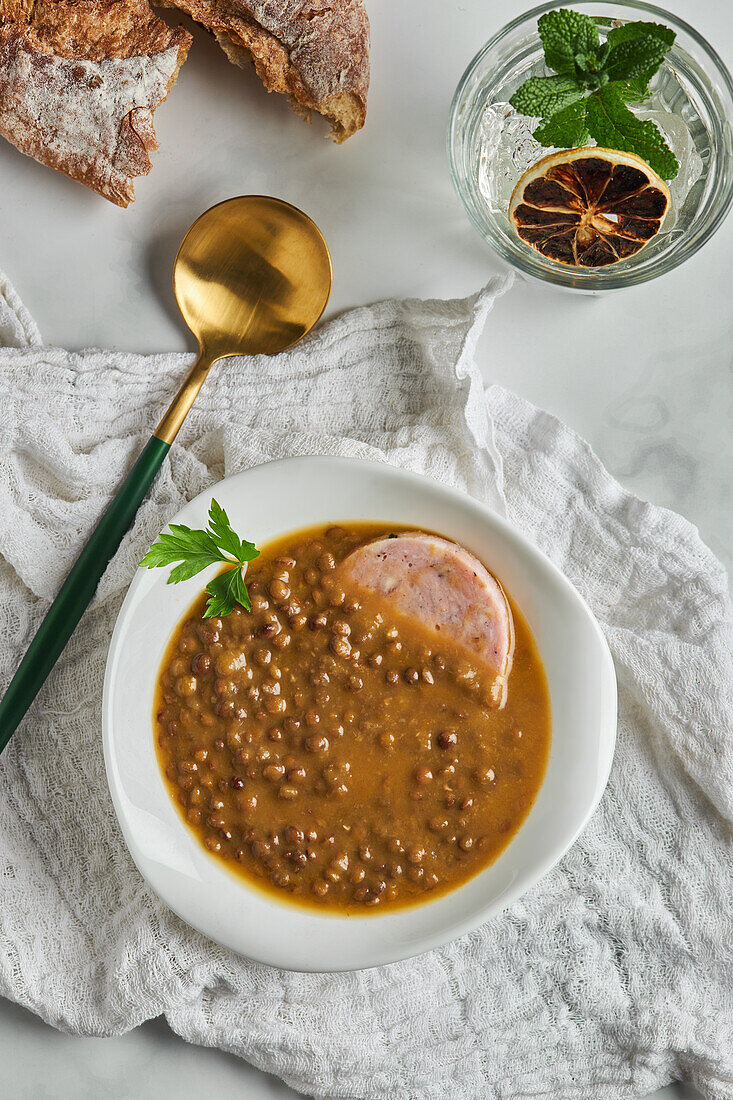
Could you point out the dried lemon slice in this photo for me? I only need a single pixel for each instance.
(589, 207)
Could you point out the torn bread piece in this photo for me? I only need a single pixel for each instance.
(316, 52)
(79, 81)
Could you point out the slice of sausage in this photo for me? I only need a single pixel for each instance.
(447, 590)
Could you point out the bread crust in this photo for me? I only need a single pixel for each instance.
(316, 52)
(79, 82)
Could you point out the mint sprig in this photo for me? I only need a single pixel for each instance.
(196, 550)
(587, 98)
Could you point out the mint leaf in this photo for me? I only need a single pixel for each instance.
(632, 91)
(542, 96)
(566, 129)
(633, 30)
(195, 550)
(224, 592)
(564, 34)
(612, 125)
(635, 58)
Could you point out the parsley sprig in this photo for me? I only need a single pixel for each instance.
(196, 550)
(594, 82)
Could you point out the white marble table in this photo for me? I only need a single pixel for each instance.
(644, 375)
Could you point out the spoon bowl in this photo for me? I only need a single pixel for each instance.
(252, 276)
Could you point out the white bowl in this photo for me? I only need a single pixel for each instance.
(283, 496)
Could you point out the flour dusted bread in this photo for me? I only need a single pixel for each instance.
(80, 79)
(316, 52)
(79, 82)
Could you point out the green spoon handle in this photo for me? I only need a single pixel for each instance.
(78, 589)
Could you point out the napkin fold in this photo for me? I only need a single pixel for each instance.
(614, 975)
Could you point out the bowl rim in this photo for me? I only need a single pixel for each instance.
(292, 958)
(600, 279)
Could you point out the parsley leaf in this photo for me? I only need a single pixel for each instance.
(593, 83)
(224, 591)
(180, 544)
(226, 537)
(196, 550)
(612, 125)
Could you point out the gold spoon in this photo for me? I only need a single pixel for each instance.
(251, 277)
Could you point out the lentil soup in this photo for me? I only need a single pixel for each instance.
(335, 752)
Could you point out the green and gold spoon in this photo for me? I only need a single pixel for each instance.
(251, 277)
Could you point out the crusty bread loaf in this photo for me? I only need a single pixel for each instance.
(316, 52)
(79, 81)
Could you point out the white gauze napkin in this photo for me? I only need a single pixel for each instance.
(614, 974)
